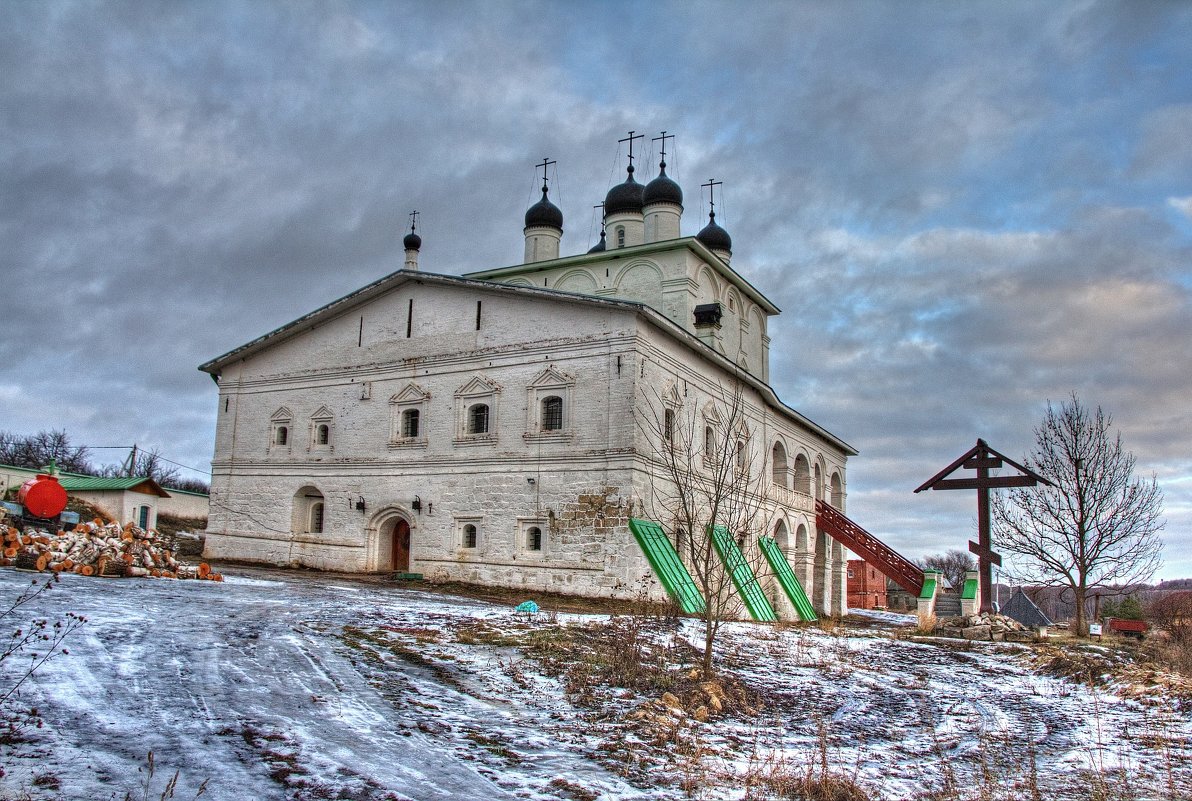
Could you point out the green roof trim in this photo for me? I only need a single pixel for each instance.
(112, 484)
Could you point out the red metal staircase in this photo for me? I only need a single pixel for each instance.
(891, 563)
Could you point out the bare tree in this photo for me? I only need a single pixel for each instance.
(147, 463)
(705, 474)
(954, 564)
(40, 449)
(1099, 524)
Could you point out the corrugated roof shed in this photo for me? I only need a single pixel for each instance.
(117, 483)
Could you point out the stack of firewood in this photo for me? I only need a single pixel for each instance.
(98, 549)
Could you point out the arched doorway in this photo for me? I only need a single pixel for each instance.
(393, 546)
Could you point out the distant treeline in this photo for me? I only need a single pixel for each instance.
(38, 450)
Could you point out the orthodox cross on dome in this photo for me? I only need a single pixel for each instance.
(663, 136)
(546, 162)
(711, 185)
(983, 458)
(630, 139)
(413, 221)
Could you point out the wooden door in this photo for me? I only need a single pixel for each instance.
(401, 547)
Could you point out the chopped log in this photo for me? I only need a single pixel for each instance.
(87, 570)
(204, 569)
(42, 561)
(11, 552)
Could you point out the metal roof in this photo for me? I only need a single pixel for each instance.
(118, 483)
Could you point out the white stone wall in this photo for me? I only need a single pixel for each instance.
(183, 504)
(453, 476)
(582, 483)
(673, 280)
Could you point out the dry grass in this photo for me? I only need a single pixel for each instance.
(927, 624)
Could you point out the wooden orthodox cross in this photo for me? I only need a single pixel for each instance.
(983, 458)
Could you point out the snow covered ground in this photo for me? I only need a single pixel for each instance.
(280, 685)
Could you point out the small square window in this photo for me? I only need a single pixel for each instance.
(531, 537)
(467, 533)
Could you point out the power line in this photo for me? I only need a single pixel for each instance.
(12, 440)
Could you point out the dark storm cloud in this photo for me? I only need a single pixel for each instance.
(964, 210)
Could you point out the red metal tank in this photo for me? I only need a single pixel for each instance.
(42, 496)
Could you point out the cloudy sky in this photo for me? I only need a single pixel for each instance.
(965, 210)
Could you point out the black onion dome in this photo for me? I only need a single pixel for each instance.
(715, 237)
(600, 246)
(412, 241)
(662, 189)
(544, 213)
(624, 197)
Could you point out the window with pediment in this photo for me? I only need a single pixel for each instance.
(281, 430)
(322, 424)
(476, 412)
(669, 419)
(713, 435)
(407, 417)
(548, 406)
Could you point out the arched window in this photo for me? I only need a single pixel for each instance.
(837, 488)
(469, 536)
(308, 511)
(283, 435)
(802, 475)
(778, 468)
(740, 456)
(552, 413)
(668, 425)
(533, 538)
(322, 434)
(781, 535)
(620, 236)
(478, 419)
(709, 443)
(409, 423)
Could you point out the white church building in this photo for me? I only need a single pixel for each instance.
(487, 428)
